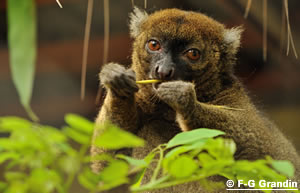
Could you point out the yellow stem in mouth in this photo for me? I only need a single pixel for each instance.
(148, 81)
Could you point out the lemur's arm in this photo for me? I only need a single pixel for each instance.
(119, 106)
(193, 114)
(190, 112)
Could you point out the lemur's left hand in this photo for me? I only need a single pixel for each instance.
(179, 95)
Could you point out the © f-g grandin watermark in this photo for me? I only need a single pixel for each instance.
(261, 185)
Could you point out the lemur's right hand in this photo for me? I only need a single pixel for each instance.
(119, 80)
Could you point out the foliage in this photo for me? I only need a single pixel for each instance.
(22, 48)
(38, 158)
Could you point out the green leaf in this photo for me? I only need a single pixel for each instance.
(83, 181)
(53, 134)
(140, 163)
(173, 154)
(17, 186)
(198, 145)
(222, 149)
(22, 48)
(116, 170)
(27, 139)
(43, 180)
(137, 181)
(182, 167)
(12, 176)
(211, 167)
(8, 144)
(193, 136)
(182, 149)
(205, 159)
(80, 123)
(88, 179)
(256, 170)
(9, 124)
(114, 174)
(284, 167)
(66, 148)
(8, 156)
(68, 163)
(79, 137)
(228, 173)
(112, 137)
(177, 151)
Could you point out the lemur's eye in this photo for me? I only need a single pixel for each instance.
(153, 45)
(193, 54)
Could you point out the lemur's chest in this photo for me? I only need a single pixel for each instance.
(155, 132)
(157, 124)
(157, 127)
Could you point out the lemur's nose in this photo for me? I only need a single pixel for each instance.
(164, 73)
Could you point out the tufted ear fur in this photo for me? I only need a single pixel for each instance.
(137, 17)
(232, 39)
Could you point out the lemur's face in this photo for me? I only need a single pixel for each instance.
(171, 59)
(176, 45)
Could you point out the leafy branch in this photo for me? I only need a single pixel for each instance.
(37, 158)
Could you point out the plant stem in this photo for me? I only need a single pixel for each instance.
(150, 185)
(87, 31)
(158, 166)
(31, 114)
(156, 185)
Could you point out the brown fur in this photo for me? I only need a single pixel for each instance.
(158, 115)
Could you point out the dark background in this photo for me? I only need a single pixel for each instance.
(274, 85)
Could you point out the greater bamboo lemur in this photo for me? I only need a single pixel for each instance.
(194, 55)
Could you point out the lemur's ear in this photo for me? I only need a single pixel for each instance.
(137, 17)
(232, 39)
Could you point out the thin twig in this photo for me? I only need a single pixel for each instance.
(293, 43)
(106, 31)
(283, 23)
(105, 44)
(289, 33)
(248, 6)
(287, 22)
(86, 45)
(147, 81)
(265, 28)
(145, 4)
(132, 3)
(59, 4)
